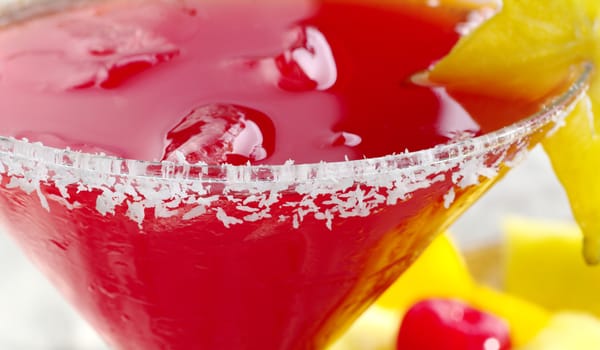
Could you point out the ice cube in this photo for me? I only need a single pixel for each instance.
(306, 64)
(97, 52)
(115, 52)
(221, 133)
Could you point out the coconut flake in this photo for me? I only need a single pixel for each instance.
(227, 220)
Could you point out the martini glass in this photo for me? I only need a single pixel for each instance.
(159, 255)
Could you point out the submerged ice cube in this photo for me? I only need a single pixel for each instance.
(306, 64)
(117, 52)
(99, 52)
(221, 133)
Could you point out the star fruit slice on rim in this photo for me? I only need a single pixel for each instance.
(526, 49)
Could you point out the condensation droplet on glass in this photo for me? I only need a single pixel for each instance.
(346, 139)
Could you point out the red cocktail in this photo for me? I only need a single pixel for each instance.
(212, 238)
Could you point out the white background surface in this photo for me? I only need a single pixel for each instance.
(34, 317)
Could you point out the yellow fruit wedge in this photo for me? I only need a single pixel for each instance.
(575, 157)
(568, 331)
(544, 265)
(439, 272)
(525, 319)
(528, 49)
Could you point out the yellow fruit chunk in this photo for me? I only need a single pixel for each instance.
(544, 265)
(526, 51)
(439, 272)
(376, 329)
(575, 157)
(525, 319)
(568, 331)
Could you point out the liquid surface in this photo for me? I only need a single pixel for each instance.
(262, 82)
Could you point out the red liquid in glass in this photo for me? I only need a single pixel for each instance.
(229, 82)
(326, 80)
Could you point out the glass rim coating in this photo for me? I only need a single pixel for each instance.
(101, 164)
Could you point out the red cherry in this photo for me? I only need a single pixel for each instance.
(451, 325)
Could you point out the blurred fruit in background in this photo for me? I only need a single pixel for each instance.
(451, 324)
(543, 263)
(440, 272)
(547, 295)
